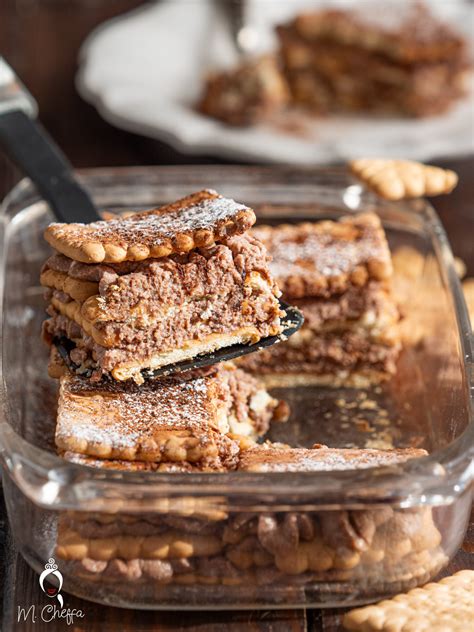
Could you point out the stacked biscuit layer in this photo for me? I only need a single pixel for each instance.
(136, 294)
(196, 541)
(197, 420)
(339, 275)
(132, 294)
(399, 60)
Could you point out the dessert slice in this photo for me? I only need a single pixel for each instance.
(401, 60)
(339, 275)
(198, 540)
(247, 94)
(198, 418)
(268, 458)
(135, 294)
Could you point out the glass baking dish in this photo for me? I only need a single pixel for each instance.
(242, 540)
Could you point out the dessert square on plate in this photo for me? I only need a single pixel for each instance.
(138, 293)
(339, 275)
(246, 95)
(402, 59)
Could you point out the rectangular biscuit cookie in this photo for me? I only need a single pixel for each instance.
(196, 221)
(267, 458)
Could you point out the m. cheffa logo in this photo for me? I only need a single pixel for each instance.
(50, 612)
(51, 568)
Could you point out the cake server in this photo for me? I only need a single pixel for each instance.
(31, 148)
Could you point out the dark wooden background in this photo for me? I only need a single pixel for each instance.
(41, 39)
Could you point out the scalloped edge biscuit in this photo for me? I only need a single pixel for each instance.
(71, 546)
(437, 607)
(401, 179)
(150, 423)
(198, 220)
(77, 289)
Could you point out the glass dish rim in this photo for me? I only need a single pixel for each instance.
(450, 468)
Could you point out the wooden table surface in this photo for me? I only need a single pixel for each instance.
(40, 38)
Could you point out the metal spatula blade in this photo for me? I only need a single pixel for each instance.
(291, 323)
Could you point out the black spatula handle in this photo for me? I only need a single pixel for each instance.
(30, 147)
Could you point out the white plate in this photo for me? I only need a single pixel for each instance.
(143, 71)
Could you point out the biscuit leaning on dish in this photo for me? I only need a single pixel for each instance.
(401, 179)
(138, 293)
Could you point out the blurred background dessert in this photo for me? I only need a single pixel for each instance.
(401, 60)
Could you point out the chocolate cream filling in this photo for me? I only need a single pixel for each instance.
(308, 544)
(326, 354)
(370, 307)
(157, 305)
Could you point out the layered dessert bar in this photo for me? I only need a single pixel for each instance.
(134, 294)
(246, 94)
(339, 274)
(400, 59)
(381, 547)
(198, 541)
(320, 458)
(198, 419)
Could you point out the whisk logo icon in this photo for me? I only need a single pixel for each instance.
(51, 568)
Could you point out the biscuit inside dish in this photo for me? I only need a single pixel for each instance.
(268, 458)
(202, 540)
(140, 313)
(338, 273)
(199, 418)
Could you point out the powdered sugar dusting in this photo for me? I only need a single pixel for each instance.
(325, 460)
(317, 253)
(328, 249)
(155, 226)
(121, 415)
